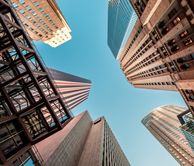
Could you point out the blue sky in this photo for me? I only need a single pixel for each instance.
(87, 55)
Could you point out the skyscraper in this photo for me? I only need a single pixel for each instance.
(163, 123)
(43, 21)
(73, 89)
(187, 126)
(119, 17)
(30, 106)
(159, 52)
(82, 143)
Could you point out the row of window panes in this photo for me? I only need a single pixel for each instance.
(148, 60)
(144, 47)
(151, 72)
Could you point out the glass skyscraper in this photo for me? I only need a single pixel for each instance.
(187, 120)
(163, 123)
(120, 13)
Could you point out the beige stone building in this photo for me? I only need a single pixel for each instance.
(159, 53)
(163, 123)
(43, 21)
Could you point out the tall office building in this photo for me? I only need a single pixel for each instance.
(82, 143)
(73, 90)
(187, 126)
(43, 21)
(159, 53)
(119, 17)
(164, 125)
(30, 106)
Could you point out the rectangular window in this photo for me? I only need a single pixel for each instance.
(36, 3)
(10, 139)
(22, 1)
(22, 11)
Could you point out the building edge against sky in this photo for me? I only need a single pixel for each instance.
(187, 126)
(73, 89)
(120, 13)
(35, 111)
(95, 145)
(159, 52)
(128, 32)
(43, 21)
(164, 125)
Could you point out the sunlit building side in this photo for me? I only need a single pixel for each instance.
(43, 21)
(163, 123)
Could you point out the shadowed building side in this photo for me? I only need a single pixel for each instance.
(102, 148)
(65, 147)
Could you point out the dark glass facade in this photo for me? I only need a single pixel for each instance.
(119, 16)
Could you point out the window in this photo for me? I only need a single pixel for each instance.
(183, 34)
(176, 20)
(28, 17)
(172, 13)
(165, 30)
(22, 1)
(188, 41)
(4, 109)
(36, 3)
(45, 15)
(22, 11)
(171, 42)
(185, 66)
(41, 9)
(15, 5)
(175, 48)
(34, 13)
(186, 58)
(190, 94)
(24, 160)
(10, 139)
(26, 25)
(161, 24)
(28, 8)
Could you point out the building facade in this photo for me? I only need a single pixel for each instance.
(119, 17)
(30, 106)
(163, 123)
(159, 53)
(187, 126)
(43, 21)
(95, 145)
(73, 89)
